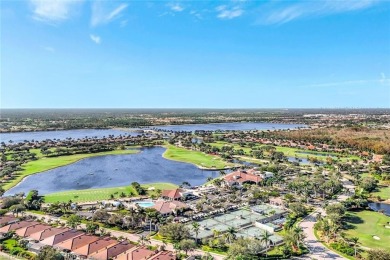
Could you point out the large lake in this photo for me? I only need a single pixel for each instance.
(63, 134)
(230, 126)
(148, 166)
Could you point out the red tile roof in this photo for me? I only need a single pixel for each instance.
(58, 238)
(165, 207)
(27, 231)
(243, 176)
(172, 194)
(138, 253)
(7, 219)
(17, 225)
(77, 242)
(47, 233)
(95, 246)
(111, 251)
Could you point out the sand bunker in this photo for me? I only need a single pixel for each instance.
(376, 237)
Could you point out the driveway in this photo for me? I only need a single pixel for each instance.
(316, 248)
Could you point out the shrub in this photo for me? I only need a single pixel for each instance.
(343, 248)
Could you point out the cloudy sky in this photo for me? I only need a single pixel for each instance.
(207, 54)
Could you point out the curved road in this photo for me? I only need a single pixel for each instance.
(316, 248)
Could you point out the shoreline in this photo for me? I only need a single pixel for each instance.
(156, 126)
(198, 166)
(11, 185)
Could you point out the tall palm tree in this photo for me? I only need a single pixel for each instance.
(231, 234)
(143, 240)
(195, 228)
(298, 235)
(266, 238)
(355, 242)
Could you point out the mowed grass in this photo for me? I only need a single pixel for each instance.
(198, 158)
(366, 224)
(102, 193)
(288, 151)
(383, 192)
(44, 164)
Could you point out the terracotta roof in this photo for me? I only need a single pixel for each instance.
(172, 194)
(138, 253)
(77, 242)
(47, 233)
(165, 207)
(58, 238)
(95, 246)
(17, 225)
(7, 219)
(242, 176)
(164, 255)
(111, 251)
(27, 231)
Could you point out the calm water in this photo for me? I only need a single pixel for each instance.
(230, 126)
(380, 206)
(114, 170)
(299, 160)
(63, 134)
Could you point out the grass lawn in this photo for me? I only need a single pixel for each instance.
(198, 158)
(365, 224)
(383, 192)
(44, 164)
(287, 151)
(11, 244)
(100, 194)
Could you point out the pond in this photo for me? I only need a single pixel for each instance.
(148, 166)
(298, 160)
(62, 134)
(380, 207)
(230, 126)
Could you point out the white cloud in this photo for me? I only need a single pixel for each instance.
(283, 12)
(229, 13)
(95, 38)
(176, 7)
(101, 14)
(53, 10)
(196, 14)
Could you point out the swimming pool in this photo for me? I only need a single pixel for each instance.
(145, 204)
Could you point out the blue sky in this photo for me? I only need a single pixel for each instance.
(195, 54)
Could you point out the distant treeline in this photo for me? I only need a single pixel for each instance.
(360, 138)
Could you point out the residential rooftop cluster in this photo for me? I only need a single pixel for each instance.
(76, 243)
